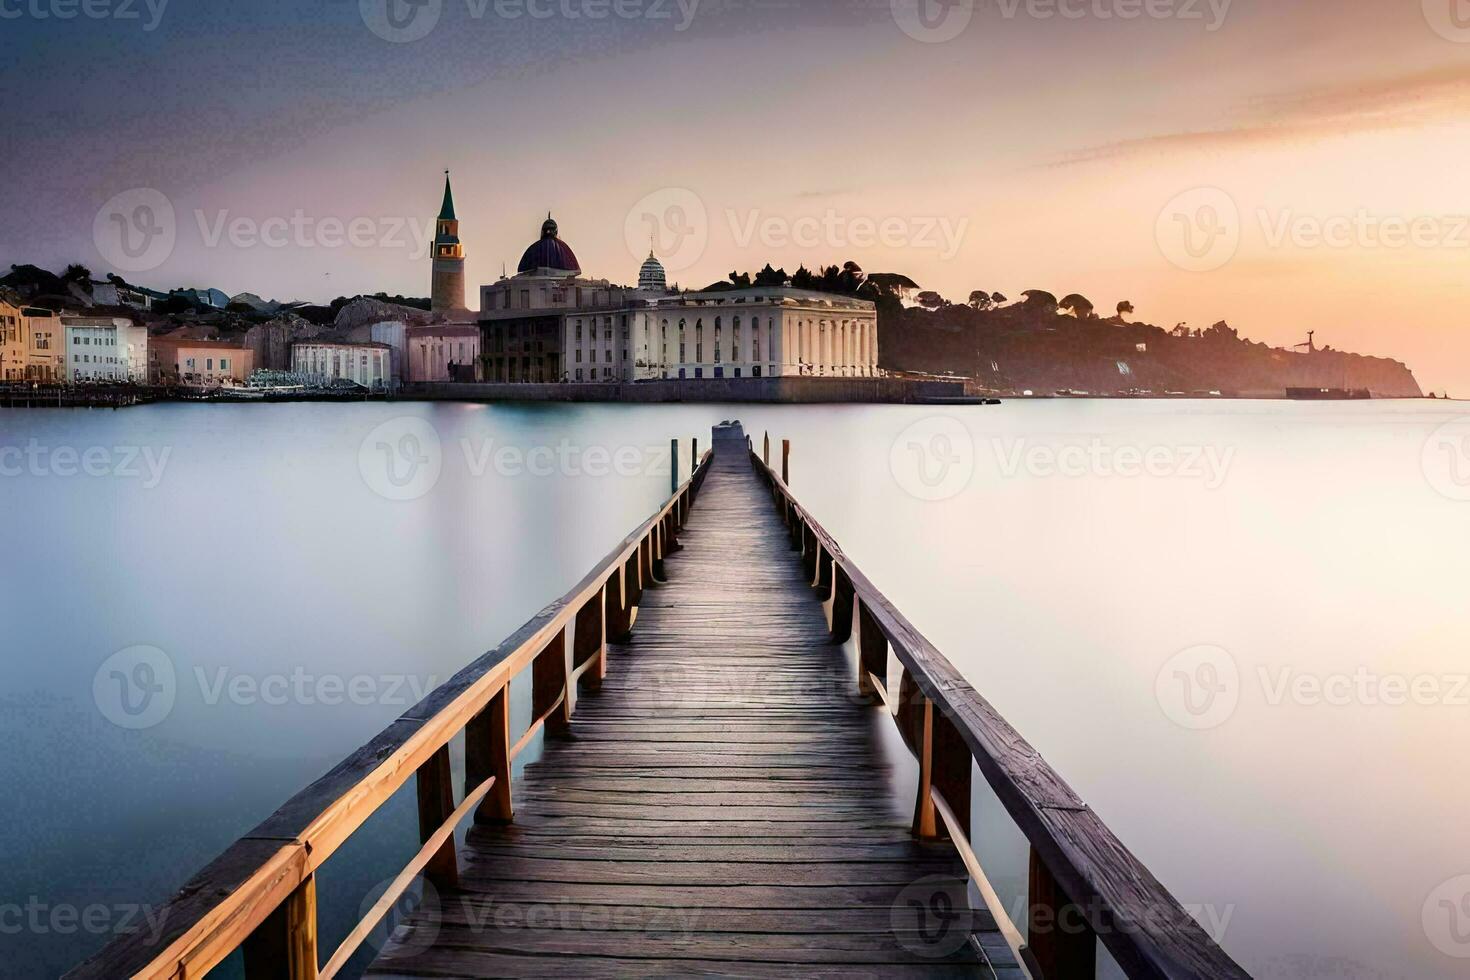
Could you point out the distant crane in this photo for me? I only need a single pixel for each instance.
(1311, 344)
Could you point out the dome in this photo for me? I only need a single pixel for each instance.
(550, 254)
(652, 276)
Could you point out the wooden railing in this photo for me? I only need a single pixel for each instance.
(1084, 884)
(260, 894)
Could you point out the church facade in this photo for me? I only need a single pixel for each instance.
(548, 323)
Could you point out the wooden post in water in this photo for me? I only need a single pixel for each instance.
(694, 459)
(766, 452)
(283, 947)
(673, 466)
(786, 462)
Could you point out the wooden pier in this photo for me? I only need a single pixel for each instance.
(714, 796)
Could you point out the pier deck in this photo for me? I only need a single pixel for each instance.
(721, 806)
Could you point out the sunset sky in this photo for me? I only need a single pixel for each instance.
(1283, 166)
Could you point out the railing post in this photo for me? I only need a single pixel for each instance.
(619, 611)
(872, 653)
(283, 947)
(436, 806)
(487, 754)
(1056, 929)
(694, 457)
(925, 825)
(549, 682)
(786, 462)
(673, 466)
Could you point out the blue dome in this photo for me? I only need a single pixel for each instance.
(549, 253)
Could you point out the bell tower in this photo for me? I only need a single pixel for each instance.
(447, 294)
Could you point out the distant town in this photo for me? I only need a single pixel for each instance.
(550, 331)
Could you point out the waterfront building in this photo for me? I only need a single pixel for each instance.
(182, 360)
(104, 349)
(442, 352)
(12, 341)
(45, 344)
(446, 298)
(549, 323)
(393, 334)
(323, 362)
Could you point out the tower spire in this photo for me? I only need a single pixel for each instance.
(446, 211)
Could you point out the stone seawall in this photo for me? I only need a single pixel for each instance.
(806, 391)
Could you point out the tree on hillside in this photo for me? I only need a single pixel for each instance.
(741, 280)
(1222, 331)
(1040, 299)
(1125, 308)
(981, 300)
(998, 298)
(802, 278)
(930, 300)
(1078, 305)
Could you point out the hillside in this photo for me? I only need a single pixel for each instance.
(1032, 347)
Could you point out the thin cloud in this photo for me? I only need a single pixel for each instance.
(1365, 106)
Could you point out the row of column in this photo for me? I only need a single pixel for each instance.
(837, 348)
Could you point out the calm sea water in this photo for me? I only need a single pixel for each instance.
(1237, 629)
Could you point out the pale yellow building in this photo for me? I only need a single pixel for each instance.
(12, 341)
(45, 343)
(179, 360)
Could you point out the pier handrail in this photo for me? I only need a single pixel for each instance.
(260, 893)
(1080, 872)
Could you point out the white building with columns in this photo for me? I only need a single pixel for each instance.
(549, 324)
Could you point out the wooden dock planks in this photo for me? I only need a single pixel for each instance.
(720, 807)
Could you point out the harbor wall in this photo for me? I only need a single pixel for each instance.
(806, 391)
